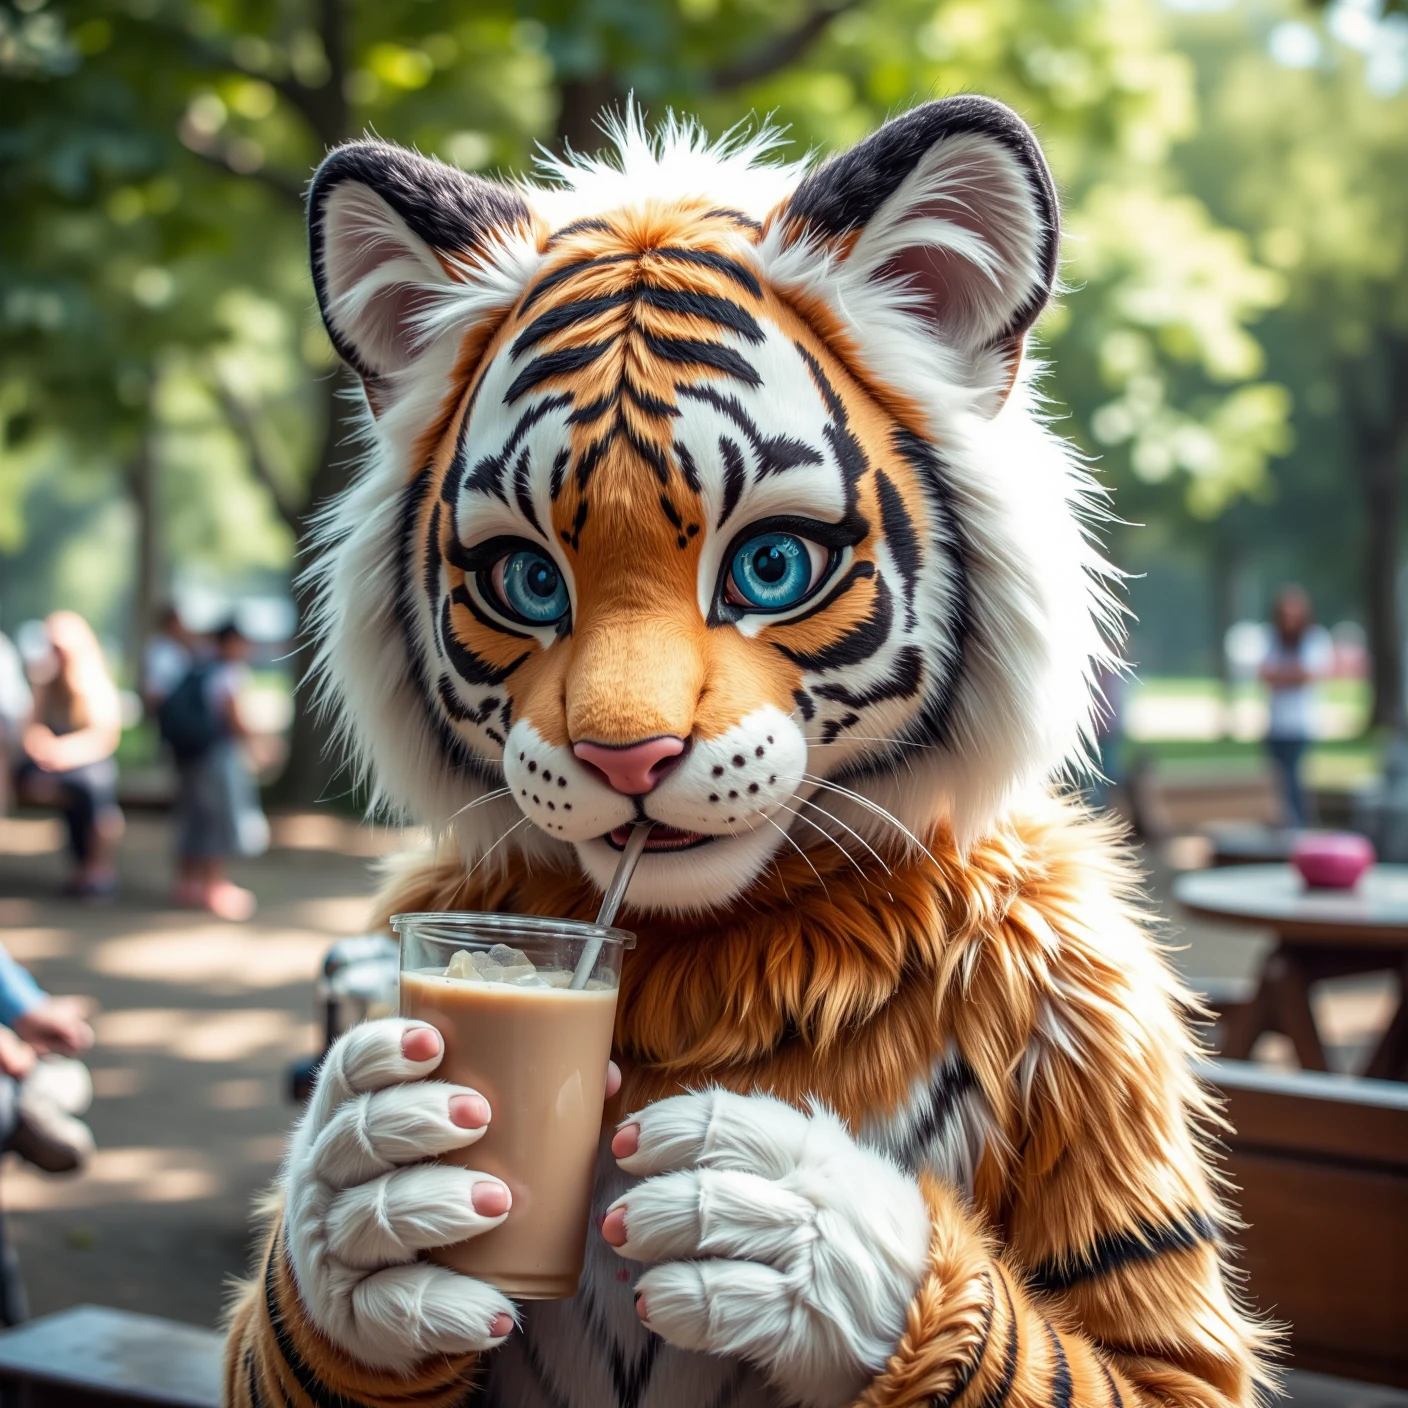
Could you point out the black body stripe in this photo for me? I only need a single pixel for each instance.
(318, 1392)
(1060, 1371)
(578, 227)
(953, 1081)
(692, 352)
(857, 644)
(902, 682)
(551, 364)
(706, 306)
(1116, 1397)
(724, 212)
(468, 665)
(735, 477)
(970, 1369)
(1113, 1250)
(651, 405)
(997, 1395)
(564, 316)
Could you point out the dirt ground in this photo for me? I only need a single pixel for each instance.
(199, 1022)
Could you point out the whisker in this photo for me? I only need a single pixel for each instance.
(826, 835)
(516, 825)
(480, 801)
(782, 832)
(868, 738)
(807, 802)
(873, 807)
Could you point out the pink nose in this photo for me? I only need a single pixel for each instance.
(634, 769)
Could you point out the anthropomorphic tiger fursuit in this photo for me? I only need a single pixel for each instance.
(708, 489)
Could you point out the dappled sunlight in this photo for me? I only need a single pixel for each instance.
(131, 1175)
(315, 831)
(194, 1035)
(117, 1082)
(240, 1094)
(336, 917)
(34, 945)
(31, 836)
(220, 958)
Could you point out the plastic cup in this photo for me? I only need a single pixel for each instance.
(537, 1051)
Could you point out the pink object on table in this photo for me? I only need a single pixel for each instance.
(1332, 860)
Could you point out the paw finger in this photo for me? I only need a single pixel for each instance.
(405, 1313)
(372, 1133)
(373, 1056)
(387, 1221)
(721, 1307)
(710, 1212)
(753, 1133)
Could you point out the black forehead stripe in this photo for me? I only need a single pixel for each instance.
(858, 644)
(453, 486)
(550, 280)
(652, 454)
(823, 383)
(551, 364)
(688, 468)
(651, 405)
(899, 532)
(693, 352)
(719, 263)
(594, 410)
(903, 682)
(469, 666)
(559, 468)
(723, 212)
(578, 227)
(775, 453)
(671, 512)
(722, 312)
(521, 495)
(593, 455)
(734, 477)
(564, 316)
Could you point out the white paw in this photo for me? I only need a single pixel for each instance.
(356, 1217)
(776, 1236)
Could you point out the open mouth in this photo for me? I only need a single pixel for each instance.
(662, 838)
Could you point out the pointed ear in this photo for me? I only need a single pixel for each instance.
(955, 201)
(386, 228)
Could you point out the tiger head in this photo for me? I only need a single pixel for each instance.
(704, 489)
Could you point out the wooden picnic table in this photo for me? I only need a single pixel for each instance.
(1320, 934)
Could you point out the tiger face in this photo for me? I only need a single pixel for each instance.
(697, 495)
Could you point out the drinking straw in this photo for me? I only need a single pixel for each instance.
(611, 900)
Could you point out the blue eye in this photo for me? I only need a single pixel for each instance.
(532, 588)
(773, 571)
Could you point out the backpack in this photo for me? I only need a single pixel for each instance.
(186, 720)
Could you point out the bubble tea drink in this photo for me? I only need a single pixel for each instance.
(497, 988)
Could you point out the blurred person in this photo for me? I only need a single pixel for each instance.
(218, 806)
(1299, 655)
(16, 701)
(76, 722)
(42, 1093)
(166, 658)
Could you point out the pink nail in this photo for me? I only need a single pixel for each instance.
(613, 1228)
(421, 1044)
(469, 1111)
(490, 1199)
(626, 1142)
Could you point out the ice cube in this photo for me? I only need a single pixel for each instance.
(557, 979)
(519, 972)
(485, 969)
(461, 965)
(507, 957)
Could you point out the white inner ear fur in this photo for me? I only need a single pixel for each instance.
(963, 235)
(382, 280)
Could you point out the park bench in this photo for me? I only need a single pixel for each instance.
(1321, 1167)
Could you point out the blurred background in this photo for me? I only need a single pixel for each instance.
(1231, 352)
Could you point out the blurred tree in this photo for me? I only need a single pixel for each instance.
(1306, 148)
(155, 300)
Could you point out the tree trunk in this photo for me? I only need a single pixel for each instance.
(583, 102)
(1376, 403)
(313, 774)
(142, 488)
